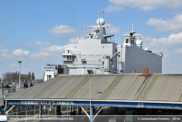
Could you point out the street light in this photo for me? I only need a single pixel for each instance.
(90, 72)
(19, 74)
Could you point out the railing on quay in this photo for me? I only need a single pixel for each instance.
(5, 92)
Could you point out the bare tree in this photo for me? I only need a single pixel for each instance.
(33, 76)
(13, 76)
(29, 76)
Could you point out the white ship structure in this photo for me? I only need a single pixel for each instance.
(98, 53)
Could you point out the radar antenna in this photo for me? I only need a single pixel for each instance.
(103, 13)
(132, 33)
(132, 27)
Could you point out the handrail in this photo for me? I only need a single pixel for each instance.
(5, 92)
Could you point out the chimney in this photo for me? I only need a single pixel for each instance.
(145, 72)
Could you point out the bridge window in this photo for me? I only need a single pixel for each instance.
(127, 40)
(68, 57)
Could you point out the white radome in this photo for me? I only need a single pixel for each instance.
(139, 42)
(100, 21)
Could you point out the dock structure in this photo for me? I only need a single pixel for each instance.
(155, 91)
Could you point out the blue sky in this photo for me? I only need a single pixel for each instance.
(37, 31)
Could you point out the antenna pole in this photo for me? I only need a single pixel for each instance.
(103, 13)
(120, 38)
(115, 37)
(132, 26)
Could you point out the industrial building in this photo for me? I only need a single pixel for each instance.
(140, 92)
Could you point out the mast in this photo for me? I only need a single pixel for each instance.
(103, 13)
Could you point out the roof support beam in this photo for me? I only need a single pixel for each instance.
(10, 108)
(85, 111)
(97, 112)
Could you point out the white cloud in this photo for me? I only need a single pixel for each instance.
(75, 40)
(4, 52)
(40, 55)
(113, 8)
(61, 30)
(3, 49)
(174, 40)
(6, 55)
(46, 51)
(53, 48)
(174, 24)
(38, 43)
(42, 44)
(82, 33)
(113, 29)
(33, 64)
(23, 44)
(12, 65)
(147, 5)
(3, 35)
(20, 52)
(179, 51)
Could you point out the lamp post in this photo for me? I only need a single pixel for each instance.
(90, 72)
(19, 74)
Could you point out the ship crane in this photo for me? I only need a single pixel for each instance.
(107, 60)
(111, 56)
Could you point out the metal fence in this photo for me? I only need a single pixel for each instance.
(5, 92)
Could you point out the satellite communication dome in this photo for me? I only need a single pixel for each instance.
(100, 21)
(139, 42)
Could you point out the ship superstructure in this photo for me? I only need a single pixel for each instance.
(96, 52)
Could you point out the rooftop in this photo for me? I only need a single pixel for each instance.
(125, 87)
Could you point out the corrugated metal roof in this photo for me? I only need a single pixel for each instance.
(146, 93)
(135, 88)
(112, 88)
(122, 88)
(131, 87)
(176, 92)
(31, 92)
(99, 84)
(62, 89)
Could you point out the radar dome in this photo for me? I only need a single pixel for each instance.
(139, 42)
(100, 21)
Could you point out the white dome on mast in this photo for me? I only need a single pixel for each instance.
(139, 43)
(100, 21)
